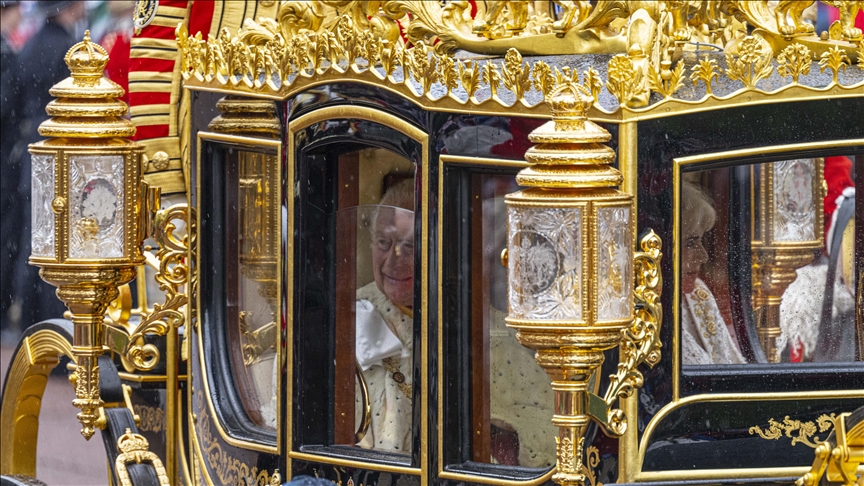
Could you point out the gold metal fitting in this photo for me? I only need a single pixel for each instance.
(246, 116)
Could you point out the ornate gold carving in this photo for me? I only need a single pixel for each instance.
(794, 61)
(706, 71)
(362, 39)
(667, 81)
(172, 274)
(228, 469)
(641, 340)
(624, 79)
(749, 60)
(516, 75)
(592, 459)
(134, 448)
(835, 60)
(806, 430)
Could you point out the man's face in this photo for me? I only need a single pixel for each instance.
(393, 254)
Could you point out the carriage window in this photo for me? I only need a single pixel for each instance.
(766, 263)
(367, 226)
(253, 297)
(240, 231)
(510, 406)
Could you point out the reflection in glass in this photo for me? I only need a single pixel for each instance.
(818, 309)
(96, 217)
(384, 327)
(705, 338)
(514, 429)
(42, 195)
(257, 292)
(362, 202)
(784, 249)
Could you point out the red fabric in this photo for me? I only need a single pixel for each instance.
(838, 176)
(154, 98)
(200, 17)
(117, 70)
(151, 131)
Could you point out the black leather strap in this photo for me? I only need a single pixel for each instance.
(118, 420)
(19, 480)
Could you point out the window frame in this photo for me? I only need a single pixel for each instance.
(233, 424)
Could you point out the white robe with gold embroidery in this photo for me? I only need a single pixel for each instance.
(704, 336)
(384, 333)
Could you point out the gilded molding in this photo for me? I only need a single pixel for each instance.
(311, 43)
(806, 430)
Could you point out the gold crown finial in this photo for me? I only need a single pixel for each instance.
(569, 104)
(129, 442)
(86, 60)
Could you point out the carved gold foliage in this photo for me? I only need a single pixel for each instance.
(592, 459)
(624, 78)
(172, 274)
(705, 71)
(566, 457)
(544, 81)
(794, 61)
(667, 81)
(640, 341)
(516, 76)
(469, 75)
(835, 60)
(861, 55)
(805, 430)
(752, 62)
(592, 82)
(491, 77)
(422, 66)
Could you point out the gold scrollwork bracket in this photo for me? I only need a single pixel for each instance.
(641, 340)
(135, 448)
(172, 275)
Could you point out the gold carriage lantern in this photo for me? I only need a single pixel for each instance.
(571, 270)
(787, 230)
(86, 206)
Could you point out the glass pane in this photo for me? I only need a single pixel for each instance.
(374, 229)
(96, 206)
(519, 429)
(757, 246)
(255, 299)
(42, 195)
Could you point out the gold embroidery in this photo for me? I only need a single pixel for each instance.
(392, 367)
(703, 316)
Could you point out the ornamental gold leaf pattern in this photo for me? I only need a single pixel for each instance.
(805, 430)
(705, 71)
(228, 469)
(491, 77)
(752, 62)
(592, 82)
(667, 81)
(543, 79)
(624, 79)
(516, 75)
(794, 61)
(835, 60)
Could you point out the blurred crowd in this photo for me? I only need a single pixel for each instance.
(34, 37)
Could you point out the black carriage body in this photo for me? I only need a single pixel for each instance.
(693, 423)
